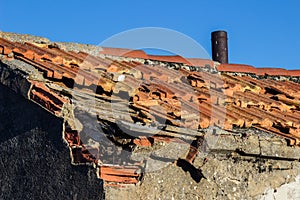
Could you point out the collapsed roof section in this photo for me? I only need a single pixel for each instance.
(113, 100)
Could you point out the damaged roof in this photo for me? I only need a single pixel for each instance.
(114, 99)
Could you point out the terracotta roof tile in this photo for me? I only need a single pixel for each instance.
(124, 52)
(142, 142)
(272, 72)
(237, 68)
(294, 73)
(120, 174)
(199, 62)
(175, 59)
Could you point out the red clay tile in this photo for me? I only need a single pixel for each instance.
(192, 154)
(199, 62)
(72, 137)
(124, 52)
(237, 68)
(82, 156)
(142, 142)
(272, 72)
(294, 72)
(119, 174)
(42, 95)
(174, 59)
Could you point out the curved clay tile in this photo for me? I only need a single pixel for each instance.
(174, 59)
(199, 62)
(136, 54)
(294, 72)
(272, 72)
(237, 68)
(124, 52)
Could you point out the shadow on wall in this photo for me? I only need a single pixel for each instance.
(19, 115)
(195, 173)
(34, 161)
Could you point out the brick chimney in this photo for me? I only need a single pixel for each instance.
(219, 46)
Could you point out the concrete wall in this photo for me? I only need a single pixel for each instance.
(34, 161)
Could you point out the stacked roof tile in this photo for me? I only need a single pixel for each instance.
(141, 95)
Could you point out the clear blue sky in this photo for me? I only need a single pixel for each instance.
(263, 33)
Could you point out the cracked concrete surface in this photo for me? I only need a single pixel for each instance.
(235, 167)
(287, 191)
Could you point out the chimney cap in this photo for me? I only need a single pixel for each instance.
(219, 33)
